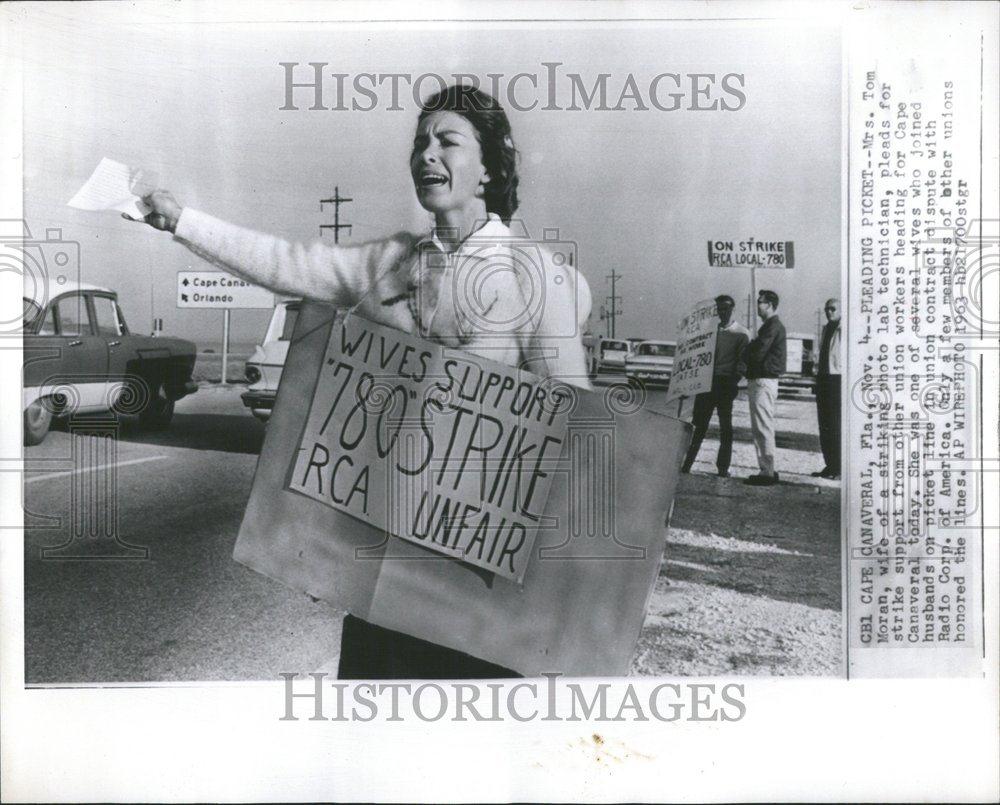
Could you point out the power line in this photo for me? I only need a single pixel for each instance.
(336, 226)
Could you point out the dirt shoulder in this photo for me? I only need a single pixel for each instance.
(751, 579)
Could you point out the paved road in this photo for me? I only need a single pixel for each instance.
(188, 611)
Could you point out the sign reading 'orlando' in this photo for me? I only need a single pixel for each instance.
(439, 447)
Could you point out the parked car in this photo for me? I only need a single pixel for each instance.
(651, 363)
(80, 357)
(610, 357)
(263, 368)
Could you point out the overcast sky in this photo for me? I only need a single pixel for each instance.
(639, 192)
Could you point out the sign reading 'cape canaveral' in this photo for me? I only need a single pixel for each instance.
(439, 447)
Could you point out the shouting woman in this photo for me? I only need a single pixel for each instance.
(527, 309)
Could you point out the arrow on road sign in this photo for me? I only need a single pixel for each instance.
(219, 290)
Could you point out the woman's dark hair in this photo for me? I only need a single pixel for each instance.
(490, 121)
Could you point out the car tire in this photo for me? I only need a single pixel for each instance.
(158, 412)
(37, 421)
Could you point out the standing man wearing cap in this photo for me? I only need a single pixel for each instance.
(828, 392)
(730, 343)
(766, 357)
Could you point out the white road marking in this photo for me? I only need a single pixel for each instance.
(63, 474)
(692, 566)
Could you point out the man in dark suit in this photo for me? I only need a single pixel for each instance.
(828, 392)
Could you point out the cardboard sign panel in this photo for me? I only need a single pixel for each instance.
(588, 576)
(433, 446)
(694, 360)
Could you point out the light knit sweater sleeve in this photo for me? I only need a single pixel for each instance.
(339, 275)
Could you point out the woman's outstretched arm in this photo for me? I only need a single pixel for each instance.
(339, 275)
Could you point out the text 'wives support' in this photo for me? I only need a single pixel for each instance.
(441, 448)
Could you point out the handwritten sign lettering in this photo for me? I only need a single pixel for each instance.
(695, 358)
(437, 447)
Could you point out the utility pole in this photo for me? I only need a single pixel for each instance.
(613, 311)
(336, 226)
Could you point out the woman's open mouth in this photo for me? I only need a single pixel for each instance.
(428, 180)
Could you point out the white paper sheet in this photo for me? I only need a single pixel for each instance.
(114, 186)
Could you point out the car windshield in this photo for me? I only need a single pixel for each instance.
(29, 314)
(659, 350)
(614, 346)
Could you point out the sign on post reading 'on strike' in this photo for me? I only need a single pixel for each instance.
(751, 253)
(695, 358)
(444, 449)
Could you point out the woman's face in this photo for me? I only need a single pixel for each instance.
(447, 163)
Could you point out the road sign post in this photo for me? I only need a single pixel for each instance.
(225, 346)
(217, 290)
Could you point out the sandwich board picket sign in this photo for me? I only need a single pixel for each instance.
(460, 500)
(695, 357)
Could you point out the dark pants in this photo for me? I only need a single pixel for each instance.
(828, 415)
(368, 651)
(720, 398)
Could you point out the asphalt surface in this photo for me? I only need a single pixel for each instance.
(176, 606)
(188, 611)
